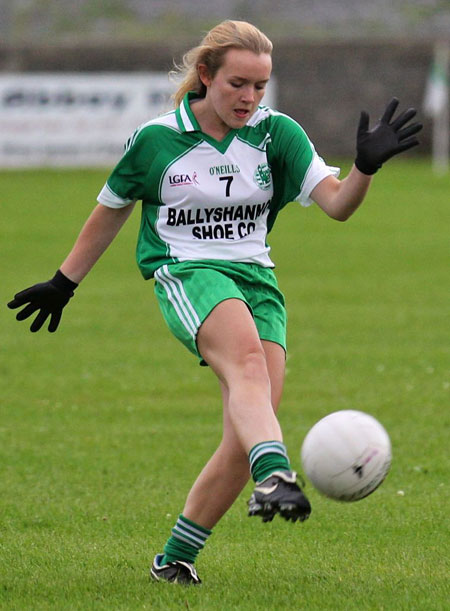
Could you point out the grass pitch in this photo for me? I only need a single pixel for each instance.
(105, 424)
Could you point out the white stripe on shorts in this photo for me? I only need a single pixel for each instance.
(185, 297)
(178, 298)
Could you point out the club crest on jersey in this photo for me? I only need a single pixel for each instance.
(179, 180)
(262, 176)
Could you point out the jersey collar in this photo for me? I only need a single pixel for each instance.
(185, 117)
(188, 123)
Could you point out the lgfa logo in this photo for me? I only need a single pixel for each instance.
(178, 180)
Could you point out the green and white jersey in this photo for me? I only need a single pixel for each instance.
(203, 199)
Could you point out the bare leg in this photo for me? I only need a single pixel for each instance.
(228, 341)
(227, 472)
(221, 480)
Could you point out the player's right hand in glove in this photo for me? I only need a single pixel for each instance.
(386, 139)
(49, 298)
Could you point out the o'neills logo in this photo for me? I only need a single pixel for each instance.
(221, 170)
(179, 180)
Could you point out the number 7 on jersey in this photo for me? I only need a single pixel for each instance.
(229, 180)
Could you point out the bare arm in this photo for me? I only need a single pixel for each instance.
(340, 198)
(97, 234)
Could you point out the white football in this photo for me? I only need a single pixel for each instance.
(346, 455)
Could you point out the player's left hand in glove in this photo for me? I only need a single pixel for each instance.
(386, 139)
(49, 298)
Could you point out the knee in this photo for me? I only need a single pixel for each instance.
(253, 366)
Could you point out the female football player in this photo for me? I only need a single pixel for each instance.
(212, 176)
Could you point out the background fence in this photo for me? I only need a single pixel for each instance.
(331, 60)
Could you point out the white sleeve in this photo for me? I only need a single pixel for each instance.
(317, 171)
(108, 198)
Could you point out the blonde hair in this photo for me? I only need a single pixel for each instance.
(211, 51)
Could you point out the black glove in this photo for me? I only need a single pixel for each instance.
(375, 146)
(48, 297)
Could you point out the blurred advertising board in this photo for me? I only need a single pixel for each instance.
(78, 119)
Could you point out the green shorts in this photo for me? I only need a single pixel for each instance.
(187, 292)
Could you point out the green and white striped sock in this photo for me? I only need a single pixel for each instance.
(266, 458)
(187, 539)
